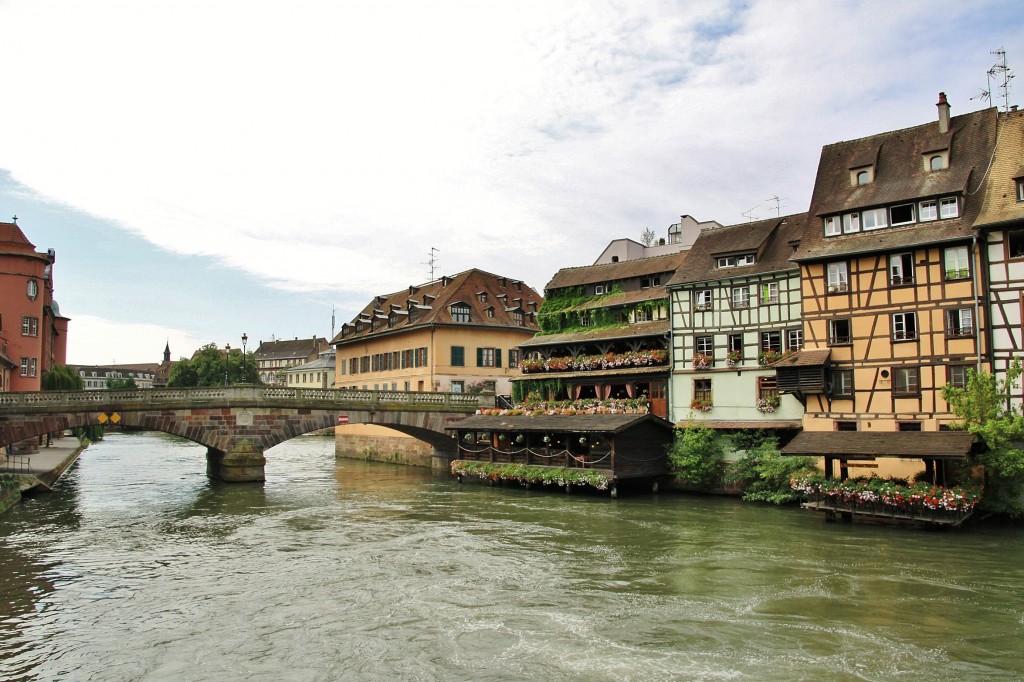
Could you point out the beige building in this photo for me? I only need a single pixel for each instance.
(275, 356)
(316, 374)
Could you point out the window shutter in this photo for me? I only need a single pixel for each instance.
(497, 357)
(479, 357)
(458, 356)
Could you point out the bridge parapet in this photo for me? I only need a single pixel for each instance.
(52, 402)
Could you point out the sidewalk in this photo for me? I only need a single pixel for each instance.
(49, 463)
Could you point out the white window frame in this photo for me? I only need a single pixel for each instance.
(904, 326)
(838, 277)
(892, 220)
(851, 223)
(703, 299)
(833, 226)
(768, 293)
(874, 219)
(956, 260)
(794, 339)
(899, 275)
(927, 211)
(704, 345)
(740, 297)
(960, 322)
(944, 208)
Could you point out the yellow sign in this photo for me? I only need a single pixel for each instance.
(101, 418)
(115, 418)
(112, 417)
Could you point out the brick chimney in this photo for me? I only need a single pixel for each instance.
(943, 106)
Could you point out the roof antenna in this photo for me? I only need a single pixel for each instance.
(432, 262)
(778, 203)
(999, 69)
(749, 214)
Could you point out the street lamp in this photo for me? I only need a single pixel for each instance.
(227, 354)
(245, 339)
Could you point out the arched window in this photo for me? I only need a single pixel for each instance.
(937, 162)
(863, 177)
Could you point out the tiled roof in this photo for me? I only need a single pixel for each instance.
(576, 423)
(632, 331)
(900, 175)
(807, 357)
(772, 239)
(596, 373)
(881, 444)
(13, 240)
(433, 300)
(610, 272)
(1000, 204)
(293, 348)
(742, 425)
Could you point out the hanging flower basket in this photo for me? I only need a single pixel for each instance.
(733, 358)
(769, 357)
(701, 405)
(702, 360)
(768, 405)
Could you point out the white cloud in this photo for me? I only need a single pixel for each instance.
(328, 146)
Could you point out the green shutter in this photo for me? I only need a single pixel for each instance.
(458, 356)
(497, 357)
(479, 357)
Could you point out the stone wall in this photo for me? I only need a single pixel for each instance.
(383, 448)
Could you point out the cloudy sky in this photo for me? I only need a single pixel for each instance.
(205, 168)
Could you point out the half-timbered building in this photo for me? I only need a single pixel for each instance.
(736, 312)
(1001, 229)
(890, 278)
(604, 333)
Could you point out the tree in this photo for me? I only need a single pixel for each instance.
(648, 236)
(696, 457)
(212, 366)
(126, 382)
(764, 473)
(62, 378)
(986, 409)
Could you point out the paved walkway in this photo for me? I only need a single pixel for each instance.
(49, 462)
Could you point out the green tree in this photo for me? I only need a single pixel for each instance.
(764, 474)
(696, 457)
(126, 382)
(62, 378)
(986, 409)
(211, 366)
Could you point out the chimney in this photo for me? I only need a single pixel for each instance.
(943, 106)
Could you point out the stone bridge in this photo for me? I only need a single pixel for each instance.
(238, 423)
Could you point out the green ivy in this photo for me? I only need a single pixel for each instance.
(547, 389)
(531, 474)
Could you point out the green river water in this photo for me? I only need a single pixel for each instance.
(140, 568)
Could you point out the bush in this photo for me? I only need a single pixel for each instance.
(764, 474)
(696, 457)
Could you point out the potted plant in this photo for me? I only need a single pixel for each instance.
(733, 357)
(769, 357)
(701, 405)
(769, 404)
(702, 360)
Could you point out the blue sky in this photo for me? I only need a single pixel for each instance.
(205, 169)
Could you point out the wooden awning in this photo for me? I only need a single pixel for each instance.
(802, 372)
(872, 444)
(578, 423)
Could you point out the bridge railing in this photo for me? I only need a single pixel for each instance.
(79, 401)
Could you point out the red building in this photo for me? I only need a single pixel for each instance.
(33, 333)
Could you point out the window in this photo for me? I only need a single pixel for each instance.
(489, 311)
(517, 317)
(28, 367)
(481, 296)
(1020, 189)
(901, 269)
(1015, 243)
(795, 339)
(851, 223)
(734, 261)
(702, 391)
(832, 226)
(740, 297)
(960, 322)
(862, 177)
(901, 215)
(704, 345)
(458, 386)
(838, 280)
(839, 332)
(585, 320)
(842, 383)
(874, 219)
(906, 381)
(421, 357)
(904, 326)
(735, 343)
(648, 282)
(937, 162)
(957, 375)
(908, 426)
(458, 356)
(955, 263)
(513, 357)
(488, 357)
(927, 210)
(767, 388)
(29, 326)
(769, 293)
(600, 289)
(460, 312)
(32, 290)
(948, 208)
(702, 299)
(771, 341)
(643, 315)
(846, 426)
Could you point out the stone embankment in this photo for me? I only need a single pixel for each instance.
(36, 471)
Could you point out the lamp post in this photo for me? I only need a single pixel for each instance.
(245, 340)
(227, 354)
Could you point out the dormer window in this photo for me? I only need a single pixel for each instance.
(518, 318)
(736, 261)
(460, 312)
(949, 208)
(862, 175)
(1020, 189)
(600, 289)
(481, 296)
(489, 311)
(648, 282)
(937, 162)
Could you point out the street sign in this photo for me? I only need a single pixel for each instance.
(342, 419)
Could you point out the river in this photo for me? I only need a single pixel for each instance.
(140, 568)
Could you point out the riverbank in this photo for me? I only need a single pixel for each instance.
(37, 471)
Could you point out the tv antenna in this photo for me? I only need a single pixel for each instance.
(432, 262)
(778, 203)
(749, 214)
(1002, 74)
